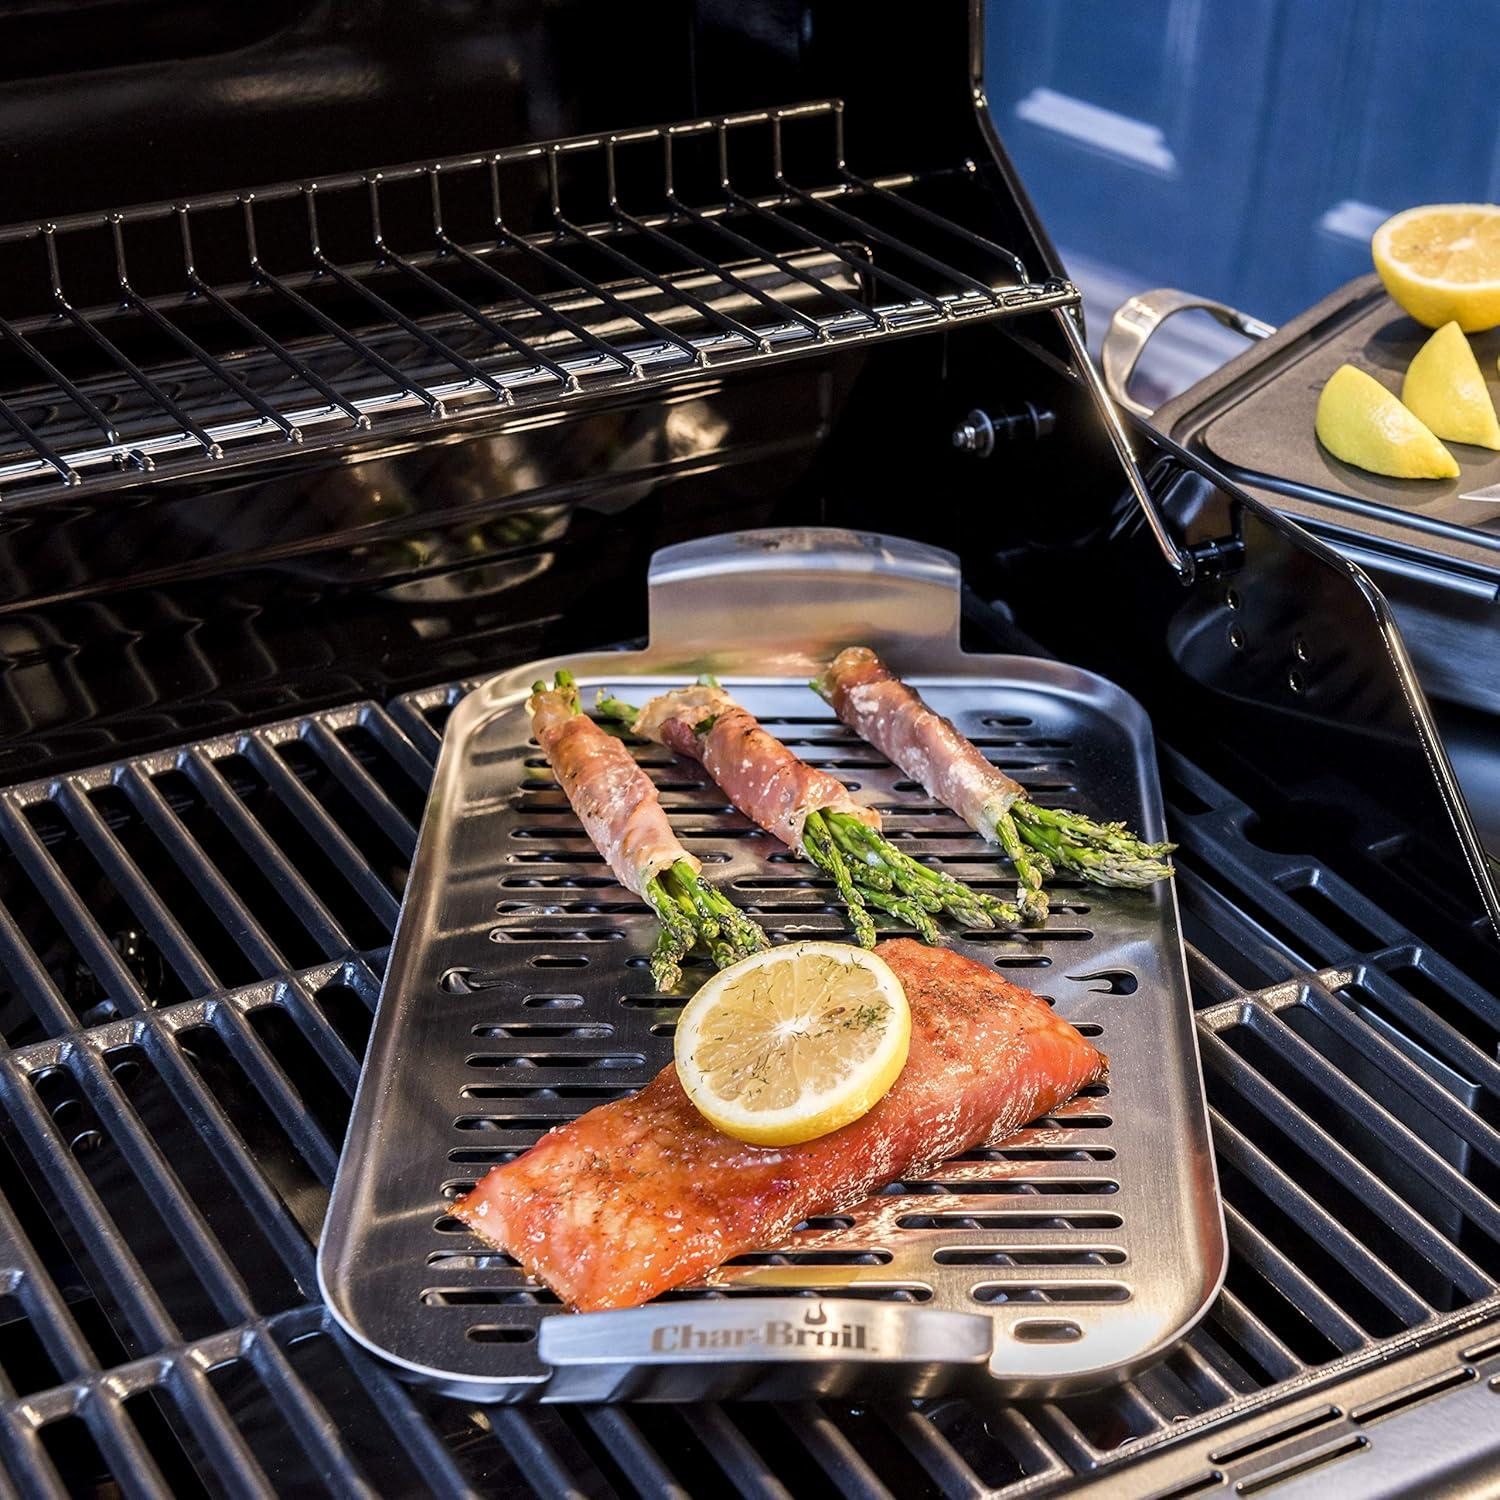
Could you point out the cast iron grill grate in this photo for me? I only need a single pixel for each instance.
(168, 1145)
(176, 337)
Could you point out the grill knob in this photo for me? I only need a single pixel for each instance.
(979, 432)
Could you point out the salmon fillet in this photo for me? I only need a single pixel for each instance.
(640, 1195)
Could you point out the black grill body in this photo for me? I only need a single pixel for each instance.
(223, 686)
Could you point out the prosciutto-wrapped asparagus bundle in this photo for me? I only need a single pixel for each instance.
(807, 809)
(882, 709)
(619, 807)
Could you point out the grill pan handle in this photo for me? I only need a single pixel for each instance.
(809, 590)
(1137, 318)
(683, 1349)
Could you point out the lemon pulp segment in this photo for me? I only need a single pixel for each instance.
(793, 1043)
(1362, 423)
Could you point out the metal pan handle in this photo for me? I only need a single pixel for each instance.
(805, 590)
(610, 1355)
(1137, 318)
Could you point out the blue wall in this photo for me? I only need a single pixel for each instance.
(1243, 148)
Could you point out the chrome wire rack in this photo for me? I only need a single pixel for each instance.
(180, 337)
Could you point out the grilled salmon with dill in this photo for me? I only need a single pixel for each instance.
(641, 1195)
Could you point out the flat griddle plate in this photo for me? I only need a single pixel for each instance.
(518, 996)
(1254, 419)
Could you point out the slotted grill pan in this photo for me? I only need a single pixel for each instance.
(518, 996)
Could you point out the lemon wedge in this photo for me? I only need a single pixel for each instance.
(792, 1043)
(1442, 263)
(1362, 423)
(1444, 387)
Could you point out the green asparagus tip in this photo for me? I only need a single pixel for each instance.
(1034, 906)
(819, 845)
(674, 940)
(1104, 853)
(539, 686)
(616, 708)
(708, 916)
(666, 972)
(1033, 867)
(562, 682)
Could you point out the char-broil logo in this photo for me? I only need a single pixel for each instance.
(814, 1331)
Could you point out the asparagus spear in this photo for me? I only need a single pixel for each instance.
(1105, 853)
(869, 871)
(1042, 840)
(688, 908)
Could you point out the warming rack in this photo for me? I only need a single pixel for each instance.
(184, 337)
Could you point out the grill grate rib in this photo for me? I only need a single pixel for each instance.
(88, 1335)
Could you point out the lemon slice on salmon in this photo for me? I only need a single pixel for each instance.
(793, 1043)
(1444, 387)
(1442, 263)
(1362, 423)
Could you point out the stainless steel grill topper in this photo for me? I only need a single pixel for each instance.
(518, 996)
